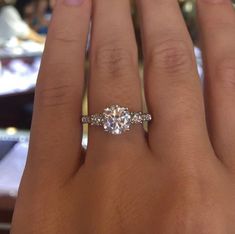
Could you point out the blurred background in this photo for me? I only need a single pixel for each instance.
(23, 29)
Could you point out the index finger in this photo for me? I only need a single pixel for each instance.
(56, 130)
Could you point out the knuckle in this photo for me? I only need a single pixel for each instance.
(191, 182)
(63, 35)
(197, 187)
(226, 73)
(114, 61)
(171, 57)
(54, 97)
(57, 91)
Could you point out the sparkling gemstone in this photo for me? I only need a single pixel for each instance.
(96, 119)
(116, 120)
(148, 117)
(137, 118)
(85, 119)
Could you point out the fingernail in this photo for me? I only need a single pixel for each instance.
(74, 2)
(217, 1)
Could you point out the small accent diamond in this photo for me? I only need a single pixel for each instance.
(86, 119)
(137, 118)
(97, 120)
(148, 117)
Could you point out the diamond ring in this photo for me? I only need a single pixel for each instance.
(116, 120)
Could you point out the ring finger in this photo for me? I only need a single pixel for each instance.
(114, 77)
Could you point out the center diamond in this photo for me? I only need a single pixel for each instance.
(116, 119)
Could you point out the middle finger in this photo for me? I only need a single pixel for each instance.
(173, 90)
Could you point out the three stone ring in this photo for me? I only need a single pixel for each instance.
(116, 120)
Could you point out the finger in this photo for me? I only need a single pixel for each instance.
(114, 68)
(217, 23)
(173, 90)
(56, 131)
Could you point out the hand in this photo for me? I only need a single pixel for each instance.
(178, 179)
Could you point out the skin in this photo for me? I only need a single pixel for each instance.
(180, 178)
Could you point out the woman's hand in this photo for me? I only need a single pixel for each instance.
(180, 178)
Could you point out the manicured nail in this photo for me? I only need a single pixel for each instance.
(74, 2)
(217, 1)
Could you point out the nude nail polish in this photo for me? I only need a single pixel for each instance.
(74, 2)
(217, 1)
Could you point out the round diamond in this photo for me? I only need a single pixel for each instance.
(137, 118)
(148, 117)
(116, 119)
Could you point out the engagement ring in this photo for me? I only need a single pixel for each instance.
(116, 120)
